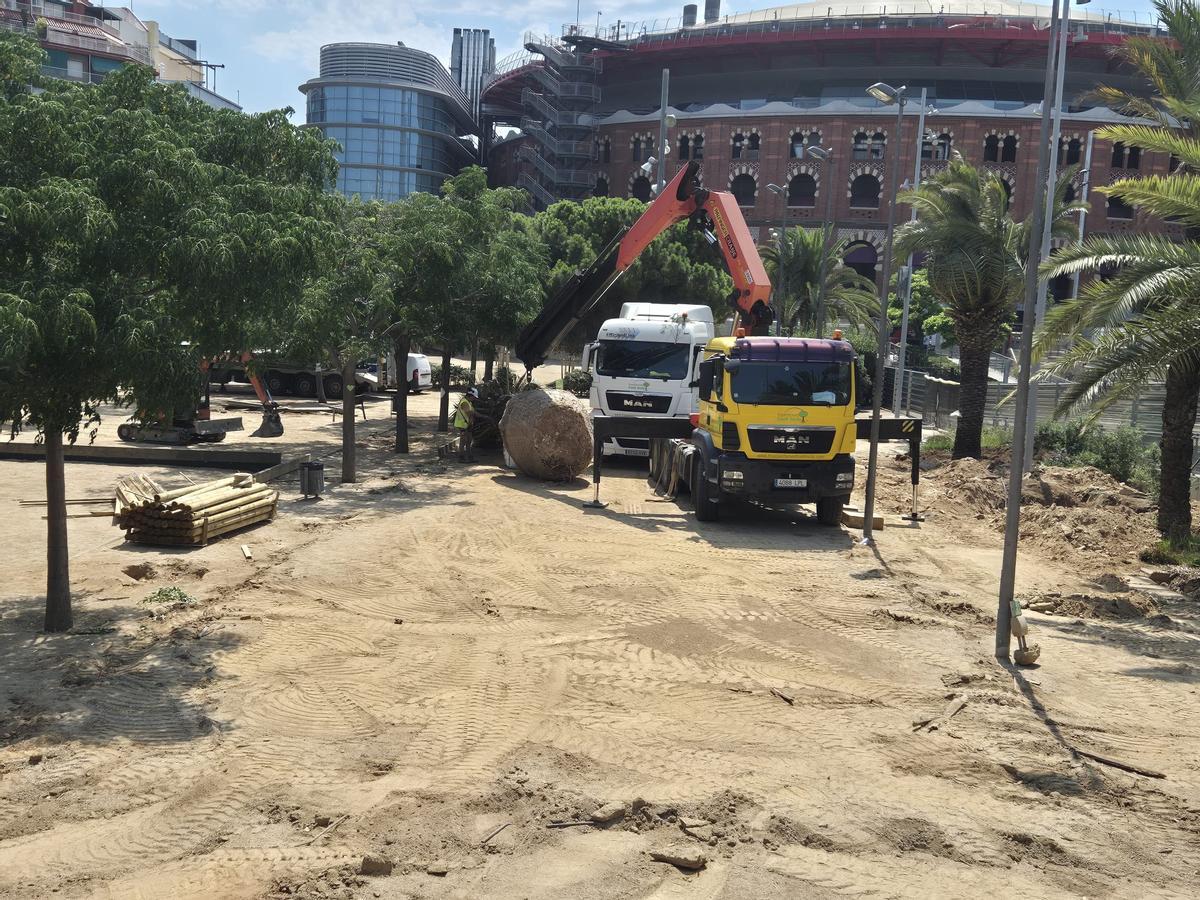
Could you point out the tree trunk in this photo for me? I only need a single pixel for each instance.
(402, 345)
(1178, 420)
(349, 396)
(474, 356)
(320, 386)
(974, 355)
(58, 575)
(490, 364)
(444, 402)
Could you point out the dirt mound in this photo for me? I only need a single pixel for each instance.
(548, 434)
(1127, 606)
(1081, 511)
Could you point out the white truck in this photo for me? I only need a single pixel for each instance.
(644, 363)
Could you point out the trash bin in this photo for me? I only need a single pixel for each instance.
(312, 479)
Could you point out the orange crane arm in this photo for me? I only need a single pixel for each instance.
(716, 213)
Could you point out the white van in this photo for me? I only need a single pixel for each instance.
(417, 372)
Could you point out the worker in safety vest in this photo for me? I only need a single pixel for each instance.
(464, 418)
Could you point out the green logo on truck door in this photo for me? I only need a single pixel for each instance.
(791, 415)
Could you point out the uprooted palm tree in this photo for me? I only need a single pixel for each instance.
(1142, 323)
(810, 255)
(1144, 310)
(975, 262)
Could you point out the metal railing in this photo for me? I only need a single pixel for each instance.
(556, 146)
(554, 174)
(561, 117)
(65, 75)
(39, 11)
(178, 46)
(539, 193)
(575, 90)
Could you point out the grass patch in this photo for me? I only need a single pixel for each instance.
(1163, 554)
(991, 439)
(169, 595)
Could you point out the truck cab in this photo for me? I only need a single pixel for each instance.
(645, 363)
(775, 424)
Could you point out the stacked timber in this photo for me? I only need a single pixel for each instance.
(198, 513)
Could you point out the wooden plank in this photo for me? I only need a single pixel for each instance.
(283, 468)
(244, 460)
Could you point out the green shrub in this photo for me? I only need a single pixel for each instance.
(1163, 554)
(943, 367)
(170, 594)
(460, 376)
(578, 382)
(991, 439)
(1121, 452)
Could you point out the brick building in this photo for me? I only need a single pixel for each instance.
(750, 92)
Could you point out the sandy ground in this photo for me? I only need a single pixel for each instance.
(438, 651)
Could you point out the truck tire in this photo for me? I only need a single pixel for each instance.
(829, 510)
(127, 431)
(276, 382)
(334, 387)
(708, 508)
(655, 467)
(305, 384)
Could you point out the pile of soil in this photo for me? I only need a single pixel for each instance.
(1131, 605)
(1080, 511)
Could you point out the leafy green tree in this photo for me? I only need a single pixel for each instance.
(808, 254)
(679, 267)
(1145, 313)
(926, 317)
(974, 259)
(140, 231)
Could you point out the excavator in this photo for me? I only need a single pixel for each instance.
(199, 426)
(713, 213)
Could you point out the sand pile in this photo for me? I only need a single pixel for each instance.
(1120, 606)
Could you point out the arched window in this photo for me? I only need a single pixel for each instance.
(1119, 209)
(802, 191)
(991, 148)
(861, 145)
(936, 147)
(864, 192)
(1133, 159)
(861, 257)
(641, 189)
(1118, 156)
(744, 189)
(796, 150)
(685, 146)
(1073, 151)
(878, 145)
(698, 147)
(637, 150)
(752, 146)
(739, 145)
(606, 151)
(601, 187)
(1008, 149)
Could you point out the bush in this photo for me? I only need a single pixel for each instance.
(460, 376)
(992, 438)
(943, 367)
(578, 382)
(1121, 453)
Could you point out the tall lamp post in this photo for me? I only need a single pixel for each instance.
(1012, 512)
(781, 273)
(898, 97)
(824, 155)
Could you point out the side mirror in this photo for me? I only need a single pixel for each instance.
(708, 370)
(586, 362)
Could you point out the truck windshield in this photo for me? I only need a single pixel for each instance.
(642, 359)
(792, 384)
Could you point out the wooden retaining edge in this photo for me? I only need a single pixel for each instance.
(241, 460)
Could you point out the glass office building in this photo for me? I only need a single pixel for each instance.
(397, 115)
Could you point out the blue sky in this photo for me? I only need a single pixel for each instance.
(269, 47)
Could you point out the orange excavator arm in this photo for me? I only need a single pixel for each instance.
(715, 213)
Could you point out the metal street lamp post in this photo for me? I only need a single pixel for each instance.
(664, 121)
(781, 272)
(1012, 516)
(825, 156)
(887, 95)
(906, 289)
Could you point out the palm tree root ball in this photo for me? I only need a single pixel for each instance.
(548, 434)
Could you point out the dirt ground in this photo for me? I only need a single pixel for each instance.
(438, 652)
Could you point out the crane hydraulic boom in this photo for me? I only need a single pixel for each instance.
(715, 213)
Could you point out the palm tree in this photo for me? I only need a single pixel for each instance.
(1154, 293)
(807, 253)
(975, 262)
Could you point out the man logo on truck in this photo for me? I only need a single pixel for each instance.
(634, 403)
(790, 441)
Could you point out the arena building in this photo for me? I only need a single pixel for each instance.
(751, 92)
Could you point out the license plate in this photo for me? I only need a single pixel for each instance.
(791, 482)
(634, 452)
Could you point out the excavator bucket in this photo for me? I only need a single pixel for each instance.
(272, 425)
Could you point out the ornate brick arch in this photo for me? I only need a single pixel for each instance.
(745, 131)
(743, 168)
(643, 135)
(864, 236)
(807, 168)
(864, 168)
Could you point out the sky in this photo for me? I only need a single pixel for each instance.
(270, 47)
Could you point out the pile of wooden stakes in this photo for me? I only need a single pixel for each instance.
(197, 513)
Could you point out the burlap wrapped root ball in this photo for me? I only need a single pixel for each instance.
(548, 434)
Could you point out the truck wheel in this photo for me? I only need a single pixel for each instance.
(127, 432)
(708, 509)
(334, 386)
(829, 510)
(306, 385)
(654, 465)
(276, 382)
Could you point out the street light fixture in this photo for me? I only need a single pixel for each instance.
(824, 155)
(898, 97)
(781, 272)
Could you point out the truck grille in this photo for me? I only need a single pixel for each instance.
(771, 439)
(619, 401)
(729, 436)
